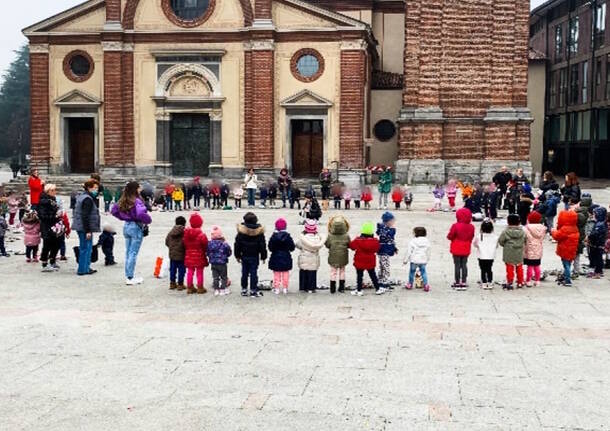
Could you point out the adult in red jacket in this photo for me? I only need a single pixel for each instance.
(36, 187)
(461, 236)
(366, 247)
(195, 259)
(567, 237)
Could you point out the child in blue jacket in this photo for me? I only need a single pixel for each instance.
(387, 237)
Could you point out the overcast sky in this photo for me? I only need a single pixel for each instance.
(26, 12)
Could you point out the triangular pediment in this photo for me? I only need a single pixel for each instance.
(297, 14)
(306, 98)
(77, 98)
(87, 16)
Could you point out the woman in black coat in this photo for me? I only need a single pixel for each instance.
(50, 228)
(571, 190)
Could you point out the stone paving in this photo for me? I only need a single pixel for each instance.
(94, 354)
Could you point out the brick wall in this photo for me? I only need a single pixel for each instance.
(128, 101)
(262, 9)
(113, 10)
(113, 109)
(351, 127)
(39, 108)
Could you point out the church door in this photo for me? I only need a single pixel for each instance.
(190, 144)
(81, 142)
(307, 147)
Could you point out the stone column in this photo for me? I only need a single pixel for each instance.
(216, 142)
(39, 106)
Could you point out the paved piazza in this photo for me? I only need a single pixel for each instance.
(93, 354)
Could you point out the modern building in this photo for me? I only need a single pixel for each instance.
(572, 36)
(211, 87)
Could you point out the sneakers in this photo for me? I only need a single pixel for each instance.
(285, 291)
(520, 286)
(28, 260)
(380, 291)
(256, 294)
(225, 292)
(461, 287)
(488, 286)
(47, 268)
(409, 286)
(244, 293)
(357, 293)
(427, 288)
(134, 281)
(276, 291)
(56, 267)
(63, 258)
(507, 286)
(216, 292)
(528, 284)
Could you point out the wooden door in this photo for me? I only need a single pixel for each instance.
(81, 141)
(307, 147)
(190, 144)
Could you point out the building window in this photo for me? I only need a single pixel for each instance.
(600, 25)
(78, 66)
(558, 42)
(385, 130)
(307, 65)
(574, 85)
(608, 78)
(585, 82)
(598, 80)
(553, 92)
(563, 86)
(188, 13)
(574, 33)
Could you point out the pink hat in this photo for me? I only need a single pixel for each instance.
(217, 233)
(281, 224)
(311, 226)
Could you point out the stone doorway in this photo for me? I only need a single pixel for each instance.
(307, 147)
(81, 145)
(190, 144)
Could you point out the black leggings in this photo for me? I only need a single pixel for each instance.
(487, 275)
(596, 258)
(360, 278)
(50, 247)
(461, 268)
(31, 251)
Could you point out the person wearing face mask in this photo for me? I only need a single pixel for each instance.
(86, 221)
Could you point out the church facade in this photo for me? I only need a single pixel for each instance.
(213, 87)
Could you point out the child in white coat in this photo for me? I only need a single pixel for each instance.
(486, 244)
(309, 243)
(418, 253)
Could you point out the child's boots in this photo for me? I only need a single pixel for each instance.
(333, 287)
(173, 285)
(341, 286)
(201, 290)
(190, 290)
(180, 287)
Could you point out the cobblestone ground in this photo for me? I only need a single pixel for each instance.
(94, 354)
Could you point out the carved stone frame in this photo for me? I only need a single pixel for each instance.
(68, 70)
(295, 59)
(169, 13)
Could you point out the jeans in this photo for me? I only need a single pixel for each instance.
(62, 247)
(251, 197)
(422, 271)
(487, 275)
(383, 199)
(360, 278)
(249, 271)
(84, 253)
(178, 205)
(461, 269)
(169, 202)
(196, 201)
(176, 268)
(107, 206)
(285, 197)
(567, 271)
(549, 222)
(133, 240)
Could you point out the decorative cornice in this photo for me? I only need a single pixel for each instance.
(215, 116)
(112, 46)
(39, 48)
(260, 45)
(354, 45)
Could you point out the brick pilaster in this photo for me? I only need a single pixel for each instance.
(128, 101)
(522, 15)
(114, 154)
(262, 9)
(39, 106)
(351, 121)
(411, 54)
(503, 56)
(113, 10)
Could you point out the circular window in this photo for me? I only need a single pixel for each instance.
(384, 130)
(307, 65)
(188, 13)
(78, 66)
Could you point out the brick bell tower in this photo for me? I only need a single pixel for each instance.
(464, 109)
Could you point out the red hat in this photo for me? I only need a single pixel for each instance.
(534, 218)
(196, 221)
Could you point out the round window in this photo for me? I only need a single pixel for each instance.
(78, 66)
(188, 13)
(307, 65)
(384, 130)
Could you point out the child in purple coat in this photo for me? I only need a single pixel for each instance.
(219, 253)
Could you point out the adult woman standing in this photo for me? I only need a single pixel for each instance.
(251, 182)
(86, 221)
(50, 227)
(571, 189)
(385, 187)
(548, 184)
(36, 189)
(284, 183)
(132, 211)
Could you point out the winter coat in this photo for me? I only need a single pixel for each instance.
(284, 182)
(366, 248)
(107, 195)
(137, 214)
(310, 245)
(549, 208)
(219, 252)
(106, 241)
(195, 247)
(338, 242)
(175, 243)
(47, 213)
(387, 237)
(178, 195)
(315, 211)
(583, 217)
(572, 191)
(438, 193)
(513, 242)
(169, 189)
(461, 233)
(534, 241)
(36, 190)
(599, 234)
(31, 229)
(567, 235)
(326, 179)
(501, 179)
(250, 242)
(397, 196)
(486, 245)
(86, 215)
(366, 196)
(281, 245)
(251, 181)
(549, 185)
(418, 251)
(385, 182)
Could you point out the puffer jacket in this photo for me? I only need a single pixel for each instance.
(418, 251)
(337, 242)
(250, 242)
(31, 229)
(567, 235)
(195, 247)
(534, 241)
(599, 234)
(387, 237)
(583, 217)
(137, 214)
(281, 246)
(175, 244)
(513, 242)
(219, 252)
(366, 248)
(461, 233)
(48, 214)
(310, 245)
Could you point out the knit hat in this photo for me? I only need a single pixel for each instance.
(281, 224)
(250, 218)
(311, 226)
(534, 218)
(527, 188)
(387, 216)
(196, 221)
(217, 232)
(368, 228)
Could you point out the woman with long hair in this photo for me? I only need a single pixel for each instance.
(132, 210)
(571, 189)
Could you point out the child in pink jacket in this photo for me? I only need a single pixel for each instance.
(535, 232)
(31, 229)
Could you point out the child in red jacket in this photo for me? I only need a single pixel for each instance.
(397, 197)
(461, 236)
(366, 197)
(366, 247)
(195, 259)
(567, 237)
